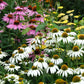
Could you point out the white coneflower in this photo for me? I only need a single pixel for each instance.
(65, 71)
(75, 52)
(22, 54)
(81, 68)
(50, 41)
(12, 59)
(18, 55)
(12, 68)
(12, 77)
(65, 38)
(77, 71)
(27, 49)
(52, 68)
(68, 30)
(55, 33)
(56, 60)
(49, 49)
(2, 54)
(34, 71)
(41, 63)
(80, 40)
(77, 80)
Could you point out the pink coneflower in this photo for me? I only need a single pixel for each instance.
(28, 9)
(23, 8)
(31, 32)
(16, 25)
(19, 13)
(32, 12)
(29, 40)
(39, 34)
(32, 26)
(1, 31)
(39, 18)
(9, 18)
(32, 21)
(2, 4)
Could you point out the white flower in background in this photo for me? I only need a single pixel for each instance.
(12, 59)
(2, 82)
(68, 30)
(52, 68)
(81, 68)
(77, 80)
(11, 68)
(12, 77)
(75, 52)
(23, 72)
(82, 76)
(3, 54)
(65, 71)
(65, 38)
(77, 71)
(80, 40)
(41, 63)
(34, 71)
(56, 60)
(5, 63)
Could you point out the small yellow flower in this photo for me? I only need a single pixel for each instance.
(60, 7)
(71, 23)
(54, 12)
(41, 82)
(71, 14)
(61, 14)
(47, 15)
(21, 82)
(50, 24)
(57, 22)
(65, 21)
(76, 16)
(64, 17)
(60, 49)
(43, 46)
(70, 11)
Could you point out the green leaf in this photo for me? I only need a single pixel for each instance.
(40, 26)
(55, 26)
(25, 31)
(63, 27)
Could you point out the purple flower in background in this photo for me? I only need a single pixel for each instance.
(9, 18)
(33, 12)
(19, 13)
(39, 18)
(32, 56)
(2, 4)
(1, 31)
